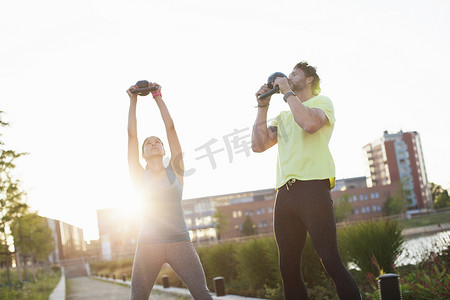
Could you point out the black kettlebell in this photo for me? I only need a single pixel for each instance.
(143, 88)
(270, 81)
(272, 77)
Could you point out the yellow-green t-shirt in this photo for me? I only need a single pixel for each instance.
(302, 155)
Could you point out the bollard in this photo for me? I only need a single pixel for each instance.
(114, 276)
(124, 277)
(389, 285)
(165, 280)
(107, 276)
(101, 275)
(219, 284)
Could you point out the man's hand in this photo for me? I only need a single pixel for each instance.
(283, 85)
(264, 89)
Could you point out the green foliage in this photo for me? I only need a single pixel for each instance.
(32, 236)
(116, 267)
(393, 206)
(250, 268)
(312, 269)
(372, 241)
(248, 227)
(256, 266)
(12, 204)
(219, 260)
(342, 208)
(430, 279)
(31, 290)
(396, 204)
(440, 196)
(429, 219)
(323, 291)
(221, 222)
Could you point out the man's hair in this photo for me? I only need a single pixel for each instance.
(310, 71)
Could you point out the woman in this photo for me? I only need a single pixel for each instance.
(164, 236)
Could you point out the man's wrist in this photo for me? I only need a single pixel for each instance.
(287, 95)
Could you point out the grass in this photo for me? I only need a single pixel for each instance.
(432, 219)
(29, 290)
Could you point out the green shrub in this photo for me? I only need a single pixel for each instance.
(174, 280)
(430, 279)
(371, 244)
(30, 290)
(256, 268)
(312, 269)
(219, 260)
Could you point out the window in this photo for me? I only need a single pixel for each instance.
(263, 211)
(356, 211)
(235, 214)
(270, 210)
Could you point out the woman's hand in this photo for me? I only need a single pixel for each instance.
(130, 94)
(157, 93)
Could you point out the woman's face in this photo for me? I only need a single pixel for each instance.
(152, 146)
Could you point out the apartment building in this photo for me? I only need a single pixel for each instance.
(397, 158)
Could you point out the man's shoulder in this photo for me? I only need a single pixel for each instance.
(321, 98)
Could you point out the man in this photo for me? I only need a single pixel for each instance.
(305, 175)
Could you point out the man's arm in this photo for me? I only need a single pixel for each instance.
(263, 137)
(309, 119)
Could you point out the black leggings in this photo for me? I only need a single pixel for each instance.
(301, 207)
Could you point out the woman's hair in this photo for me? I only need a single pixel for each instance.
(147, 139)
(310, 71)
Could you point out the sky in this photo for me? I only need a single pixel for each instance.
(65, 67)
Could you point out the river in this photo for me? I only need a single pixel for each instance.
(418, 248)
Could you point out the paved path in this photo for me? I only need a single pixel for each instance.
(85, 288)
(426, 229)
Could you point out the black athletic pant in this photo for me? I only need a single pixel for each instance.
(301, 207)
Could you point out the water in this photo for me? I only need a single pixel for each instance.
(418, 248)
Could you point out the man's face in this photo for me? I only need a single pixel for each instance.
(298, 81)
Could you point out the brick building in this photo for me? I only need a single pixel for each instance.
(398, 159)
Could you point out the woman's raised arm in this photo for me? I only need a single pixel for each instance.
(134, 165)
(176, 159)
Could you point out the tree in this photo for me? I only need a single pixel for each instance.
(248, 228)
(221, 222)
(12, 202)
(440, 196)
(32, 237)
(396, 204)
(342, 208)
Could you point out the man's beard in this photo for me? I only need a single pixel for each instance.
(298, 86)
